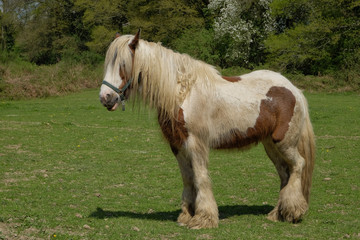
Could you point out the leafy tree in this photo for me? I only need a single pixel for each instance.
(163, 20)
(322, 41)
(198, 43)
(102, 19)
(287, 13)
(8, 24)
(201, 6)
(14, 15)
(240, 29)
(55, 29)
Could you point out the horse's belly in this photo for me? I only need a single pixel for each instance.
(234, 139)
(230, 125)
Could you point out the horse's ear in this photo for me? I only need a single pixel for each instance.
(135, 41)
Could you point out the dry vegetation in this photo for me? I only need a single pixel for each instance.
(23, 80)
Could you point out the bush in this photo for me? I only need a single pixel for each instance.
(22, 80)
(198, 43)
(101, 38)
(234, 71)
(319, 38)
(8, 56)
(240, 29)
(87, 58)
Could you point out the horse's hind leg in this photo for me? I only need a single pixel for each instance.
(282, 169)
(280, 164)
(292, 203)
(189, 194)
(289, 164)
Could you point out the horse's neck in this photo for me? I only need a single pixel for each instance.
(158, 86)
(171, 76)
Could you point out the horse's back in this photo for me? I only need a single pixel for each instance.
(266, 83)
(254, 87)
(266, 79)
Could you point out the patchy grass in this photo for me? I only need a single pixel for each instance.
(69, 169)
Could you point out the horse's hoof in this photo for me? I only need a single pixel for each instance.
(274, 215)
(199, 222)
(184, 219)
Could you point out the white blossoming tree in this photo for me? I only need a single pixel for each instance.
(240, 28)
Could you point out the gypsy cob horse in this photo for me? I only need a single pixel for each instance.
(198, 109)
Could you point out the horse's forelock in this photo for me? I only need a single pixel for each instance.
(114, 58)
(119, 53)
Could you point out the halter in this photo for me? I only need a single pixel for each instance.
(121, 91)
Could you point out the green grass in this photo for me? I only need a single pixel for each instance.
(69, 169)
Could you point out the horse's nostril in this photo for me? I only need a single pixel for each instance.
(102, 100)
(108, 96)
(117, 99)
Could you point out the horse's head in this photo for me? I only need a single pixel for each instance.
(118, 71)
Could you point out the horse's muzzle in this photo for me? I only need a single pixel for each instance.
(110, 101)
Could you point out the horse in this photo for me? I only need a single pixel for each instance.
(198, 110)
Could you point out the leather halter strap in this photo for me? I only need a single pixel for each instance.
(121, 91)
(118, 90)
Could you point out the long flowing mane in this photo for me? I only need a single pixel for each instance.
(166, 76)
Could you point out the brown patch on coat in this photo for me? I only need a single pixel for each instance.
(122, 76)
(232, 79)
(125, 79)
(275, 115)
(174, 131)
(284, 110)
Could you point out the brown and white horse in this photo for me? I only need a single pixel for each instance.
(199, 109)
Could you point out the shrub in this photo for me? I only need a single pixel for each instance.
(198, 43)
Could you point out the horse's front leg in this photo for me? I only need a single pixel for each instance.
(206, 212)
(189, 193)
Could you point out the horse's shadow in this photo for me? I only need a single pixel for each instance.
(225, 212)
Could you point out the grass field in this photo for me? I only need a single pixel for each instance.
(69, 169)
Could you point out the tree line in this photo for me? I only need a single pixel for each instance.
(312, 37)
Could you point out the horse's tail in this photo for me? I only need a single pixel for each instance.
(306, 148)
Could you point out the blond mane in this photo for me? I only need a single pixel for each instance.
(166, 76)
